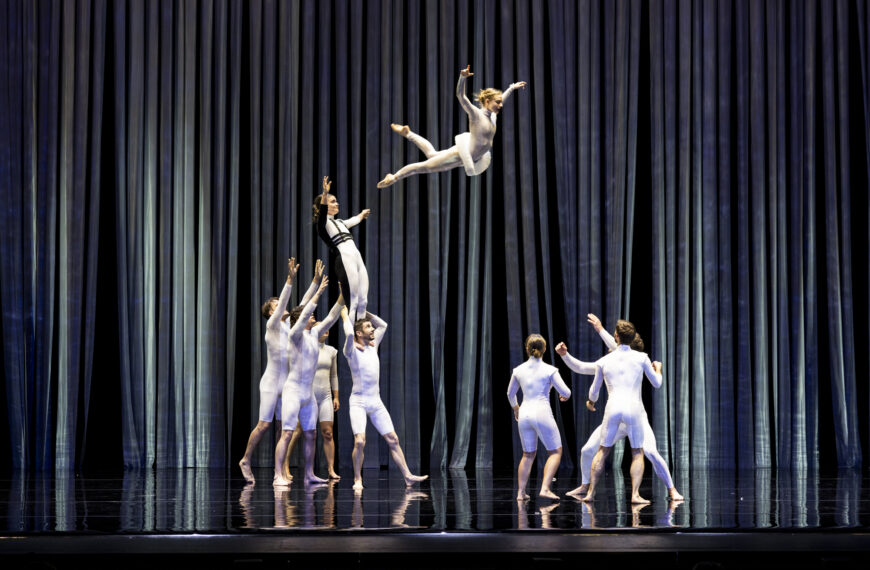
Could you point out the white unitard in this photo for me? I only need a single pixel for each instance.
(536, 417)
(348, 262)
(592, 444)
(623, 370)
(272, 381)
(298, 395)
(472, 149)
(326, 382)
(365, 370)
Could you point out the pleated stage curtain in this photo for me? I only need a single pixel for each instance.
(700, 168)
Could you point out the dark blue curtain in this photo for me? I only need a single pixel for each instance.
(698, 167)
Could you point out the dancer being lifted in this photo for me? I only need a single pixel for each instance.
(272, 382)
(361, 341)
(472, 149)
(650, 449)
(535, 417)
(347, 262)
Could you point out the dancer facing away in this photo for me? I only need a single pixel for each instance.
(272, 381)
(472, 149)
(535, 417)
(361, 350)
(347, 262)
(649, 439)
(622, 370)
(326, 400)
(298, 395)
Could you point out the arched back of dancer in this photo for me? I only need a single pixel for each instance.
(622, 370)
(471, 149)
(589, 449)
(535, 417)
(361, 341)
(346, 260)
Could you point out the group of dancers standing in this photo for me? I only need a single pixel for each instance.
(300, 387)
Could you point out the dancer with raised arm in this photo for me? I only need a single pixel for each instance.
(298, 396)
(622, 370)
(272, 381)
(472, 149)
(347, 262)
(361, 341)
(650, 449)
(535, 417)
(326, 399)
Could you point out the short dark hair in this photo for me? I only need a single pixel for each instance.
(295, 314)
(266, 308)
(358, 325)
(625, 332)
(637, 343)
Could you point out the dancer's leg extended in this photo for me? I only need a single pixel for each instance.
(439, 162)
(422, 143)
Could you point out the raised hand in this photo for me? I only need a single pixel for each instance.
(365, 213)
(519, 85)
(594, 321)
(327, 184)
(322, 287)
(292, 269)
(561, 349)
(318, 270)
(466, 72)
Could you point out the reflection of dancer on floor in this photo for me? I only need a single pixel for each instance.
(649, 439)
(347, 262)
(272, 381)
(535, 417)
(298, 396)
(472, 149)
(326, 399)
(622, 370)
(361, 350)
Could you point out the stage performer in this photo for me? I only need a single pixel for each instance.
(347, 262)
(472, 149)
(272, 381)
(298, 396)
(622, 370)
(326, 398)
(649, 440)
(535, 417)
(361, 341)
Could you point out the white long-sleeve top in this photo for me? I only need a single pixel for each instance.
(589, 368)
(536, 377)
(305, 347)
(481, 123)
(277, 332)
(365, 365)
(622, 371)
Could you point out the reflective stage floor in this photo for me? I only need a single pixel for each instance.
(170, 518)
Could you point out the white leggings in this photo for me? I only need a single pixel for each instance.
(649, 449)
(299, 410)
(436, 160)
(357, 279)
(359, 407)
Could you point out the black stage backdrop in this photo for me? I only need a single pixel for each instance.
(698, 167)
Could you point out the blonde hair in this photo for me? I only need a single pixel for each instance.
(485, 95)
(535, 345)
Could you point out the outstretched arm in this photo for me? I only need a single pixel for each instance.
(460, 91)
(315, 283)
(330, 319)
(275, 317)
(511, 88)
(380, 327)
(577, 366)
(602, 332)
(307, 311)
(355, 220)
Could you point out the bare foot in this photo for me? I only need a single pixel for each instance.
(388, 180)
(638, 500)
(334, 475)
(674, 495)
(246, 471)
(411, 479)
(288, 475)
(588, 498)
(357, 485)
(581, 490)
(523, 496)
(280, 481)
(548, 494)
(400, 129)
(312, 478)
